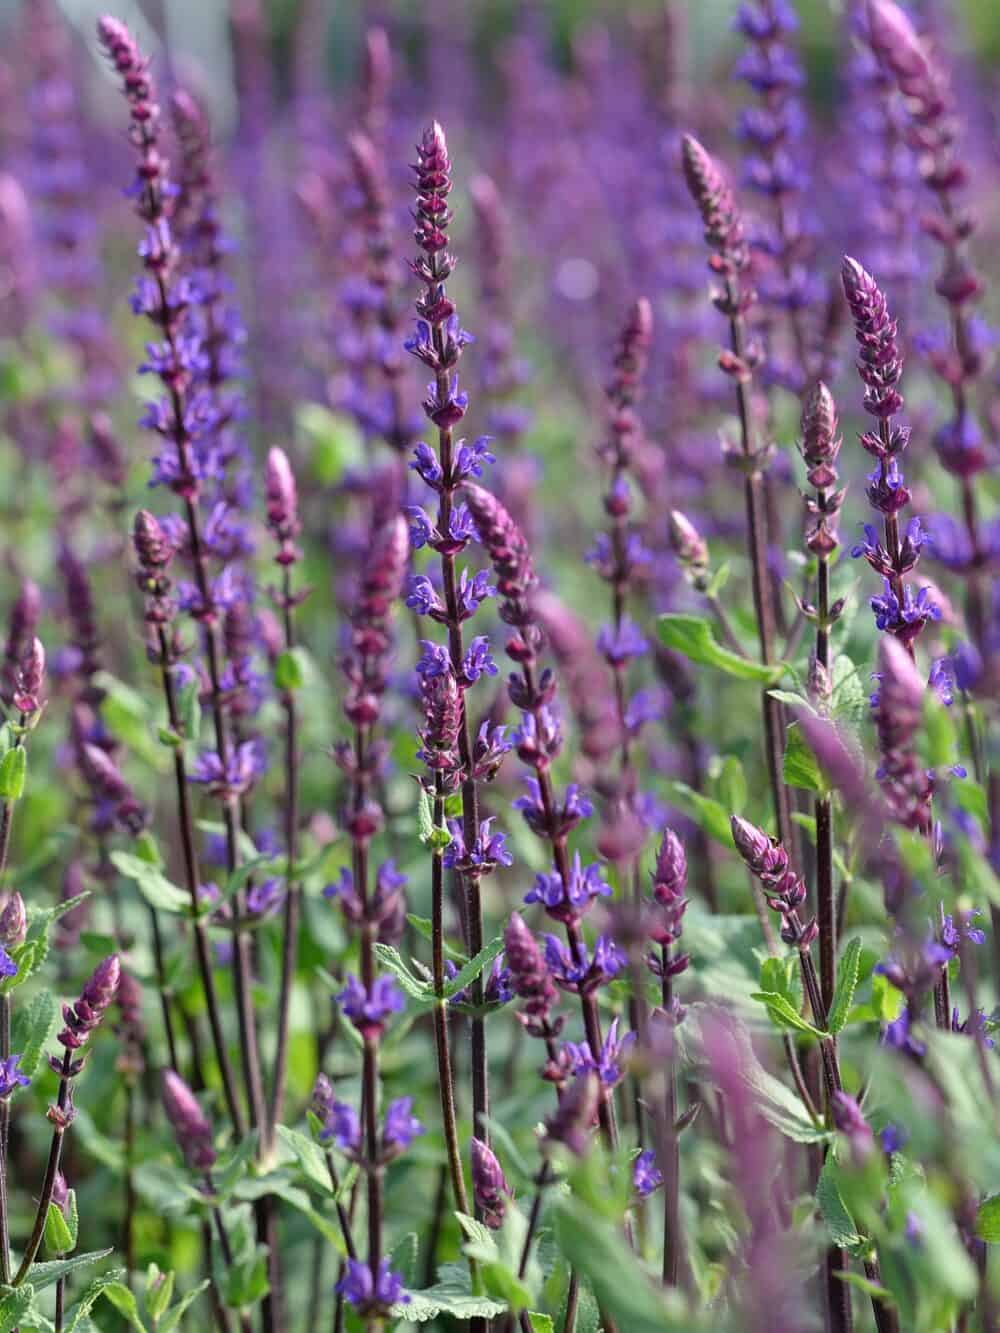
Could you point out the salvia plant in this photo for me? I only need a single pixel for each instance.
(500, 747)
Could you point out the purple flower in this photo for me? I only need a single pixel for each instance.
(356, 1286)
(893, 1138)
(487, 852)
(952, 935)
(420, 595)
(563, 818)
(237, 775)
(341, 1124)
(434, 661)
(472, 592)
(646, 1175)
(488, 750)
(11, 1076)
(898, 1037)
(622, 644)
(8, 968)
(610, 1067)
(266, 897)
(477, 660)
(469, 458)
(904, 620)
(400, 1127)
(578, 973)
(425, 464)
(369, 1010)
(570, 901)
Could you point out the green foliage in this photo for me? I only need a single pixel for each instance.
(694, 638)
(847, 980)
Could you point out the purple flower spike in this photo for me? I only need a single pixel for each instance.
(879, 361)
(489, 1185)
(189, 1122)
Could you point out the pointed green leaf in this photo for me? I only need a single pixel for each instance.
(783, 1014)
(32, 1027)
(693, 637)
(847, 981)
(467, 974)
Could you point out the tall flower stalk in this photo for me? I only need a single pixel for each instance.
(283, 520)
(820, 445)
(725, 237)
(438, 344)
(375, 910)
(184, 421)
(570, 890)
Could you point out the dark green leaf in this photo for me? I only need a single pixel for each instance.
(847, 981)
(32, 1026)
(467, 974)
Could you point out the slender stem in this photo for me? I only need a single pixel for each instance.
(753, 496)
(290, 924)
(190, 859)
(227, 1257)
(670, 1152)
(161, 985)
(51, 1171)
(823, 807)
(4, 1144)
(470, 787)
(342, 1215)
(446, 1082)
(128, 1221)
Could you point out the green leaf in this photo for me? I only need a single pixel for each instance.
(882, 1294)
(800, 768)
(847, 981)
(467, 974)
(95, 1289)
(783, 1014)
(174, 1315)
(718, 580)
(693, 637)
(159, 1291)
(44, 1275)
(623, 1287)
(730, 782)
(332, 440)
(189, 709)
(14, 1306)
(117, 1294)
(32, 1028)
(58, 1237)
(848, 696)
(416, 989)
(833, 1210)
(154, 886)
(541, 1323)
(706, 812)
(435, 837)
(449, 1296)
(13, 769)
(288, 673)
(425, 927)
(309, 1156)
(940, 742)
(988, 1220)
